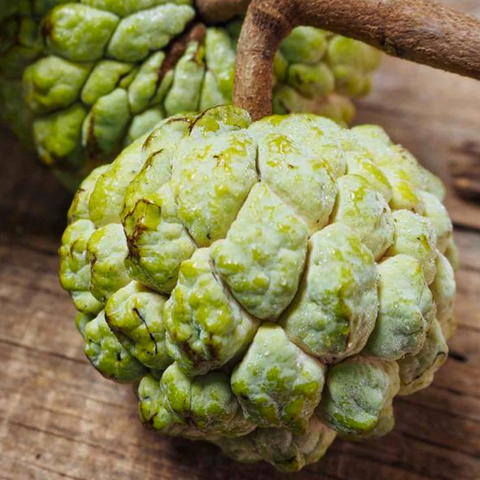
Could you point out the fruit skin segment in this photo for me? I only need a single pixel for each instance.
(358, 397)
(406, 309)
(82, 79)
(219, 265)
(276, 382)
(335, 310)
(133, 313)
(286, 451)
(263, 255)
(206, 327)
(201, 408)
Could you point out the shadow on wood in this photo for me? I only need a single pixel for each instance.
(31, 199)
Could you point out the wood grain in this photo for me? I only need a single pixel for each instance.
(60, 420)
(31, 199)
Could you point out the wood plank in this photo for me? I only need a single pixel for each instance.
(468, 284)
(31, 199)
(434, 114)
(59, 419)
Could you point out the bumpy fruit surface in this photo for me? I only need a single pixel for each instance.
(268, 284)
(86, 78)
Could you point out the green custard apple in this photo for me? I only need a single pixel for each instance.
(81, 80)
(266, 285)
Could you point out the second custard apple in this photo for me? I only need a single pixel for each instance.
(82, 79)
(269, 284)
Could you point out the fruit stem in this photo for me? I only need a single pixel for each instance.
(220, 11)
(422, 31)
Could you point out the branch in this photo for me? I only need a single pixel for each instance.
(221, 11)
(419, 30)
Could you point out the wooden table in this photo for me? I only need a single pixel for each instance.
(61, 420)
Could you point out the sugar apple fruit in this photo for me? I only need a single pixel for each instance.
(268, 284)
(83, 79)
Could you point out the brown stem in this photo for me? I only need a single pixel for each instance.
(178, 47)
(419, 30)
(220, 11)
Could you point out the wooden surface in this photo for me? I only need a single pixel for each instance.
(60, 420)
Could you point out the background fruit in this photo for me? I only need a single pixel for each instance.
(98, 74)
(269, 284)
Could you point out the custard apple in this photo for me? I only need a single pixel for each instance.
(269, 285)
(83, 79)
